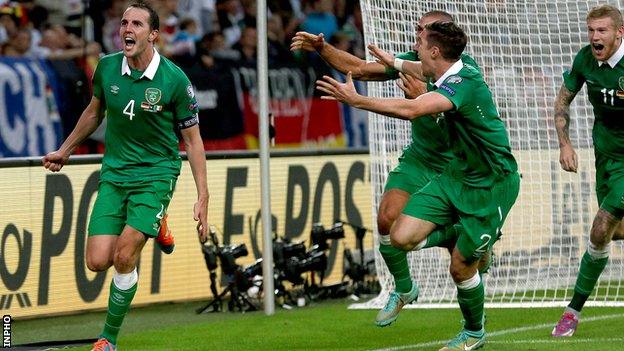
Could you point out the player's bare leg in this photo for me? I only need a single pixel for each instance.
(392, 203)
(605, 227)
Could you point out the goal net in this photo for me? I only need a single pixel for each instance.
(523, 47)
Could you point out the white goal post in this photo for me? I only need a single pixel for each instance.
(523, 47)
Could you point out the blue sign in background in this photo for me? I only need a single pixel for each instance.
(30, 122)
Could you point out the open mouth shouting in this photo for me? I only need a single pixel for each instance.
(129, 43)
(599, 50)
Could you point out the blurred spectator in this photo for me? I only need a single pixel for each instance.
(214, 44)
(57, 44)
(203, 12)
(69, 14)
(8, 25)
(354, 28)
(277, 51)
(251, 10)
(18, 45)
(321, 19)
(247, 46)
(220, 115)
(182, 46)
(111, 41)
(230, 15)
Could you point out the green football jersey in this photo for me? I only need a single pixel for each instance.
(479, 140)
(143, 110)
(429, 139)
(605, 89)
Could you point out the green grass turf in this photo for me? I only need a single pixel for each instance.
(327, 325)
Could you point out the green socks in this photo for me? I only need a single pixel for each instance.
(591, 268)
(471, 298)
(118, 305)
(396, 260)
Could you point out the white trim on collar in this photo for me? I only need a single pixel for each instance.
(615, 58)
(454, 69)
(149, 72)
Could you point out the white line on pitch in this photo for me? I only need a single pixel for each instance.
(557, 341)
(500, 332)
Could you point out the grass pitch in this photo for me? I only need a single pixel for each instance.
(327, 325)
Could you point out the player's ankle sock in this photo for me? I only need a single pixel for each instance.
(593, 263)
(396, 260)
(441, 237)
(122, 289)
(471, 297)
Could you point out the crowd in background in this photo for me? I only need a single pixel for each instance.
(199, 35)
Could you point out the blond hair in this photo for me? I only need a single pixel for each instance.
(604, 11)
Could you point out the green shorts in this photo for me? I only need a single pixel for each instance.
(480, 211)
(410, 175)
(140, 205)
(610, 184)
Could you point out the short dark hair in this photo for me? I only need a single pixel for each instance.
(442, 15)
(154, 21)
(447, 36)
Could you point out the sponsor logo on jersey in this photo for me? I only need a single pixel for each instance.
(153, 95)
(448, 89)
(114, 89)
(151, 108)
(621, 82)
(454, 79)
(189, 91)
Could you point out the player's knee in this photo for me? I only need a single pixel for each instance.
(123, 260)
(460, 271)
(384, 222)
(98, 264)
(402, 242)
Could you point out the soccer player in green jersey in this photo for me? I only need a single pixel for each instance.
(600, 66)
(479, 185)
(145, 98)
(424, 158)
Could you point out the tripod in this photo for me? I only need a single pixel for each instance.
(237, 299)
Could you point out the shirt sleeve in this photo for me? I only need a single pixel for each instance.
(185, 106)
(456, 89)
(391, 72)
(573, 78)
(97, 82)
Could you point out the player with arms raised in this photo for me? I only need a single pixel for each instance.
(424, 158)
(479, 185)
(145, 98)
(600, 66)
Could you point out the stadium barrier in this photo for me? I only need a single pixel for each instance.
(44, 216)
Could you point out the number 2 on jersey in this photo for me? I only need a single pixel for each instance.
(129, 109)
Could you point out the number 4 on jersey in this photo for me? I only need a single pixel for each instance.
(129, 109)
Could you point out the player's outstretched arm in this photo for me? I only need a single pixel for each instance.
(413, 68)
(567, 155)
(87, 124)
(194, 147)
(338, 59)
(427, 104)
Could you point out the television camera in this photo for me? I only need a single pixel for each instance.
(237, 278)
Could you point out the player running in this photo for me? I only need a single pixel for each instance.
(481, 183)
(599, 65)
(145, 98)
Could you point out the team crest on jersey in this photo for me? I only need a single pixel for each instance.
(153, 95)
(621, 82)
(454, 79)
